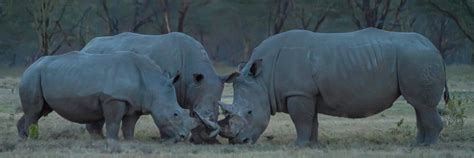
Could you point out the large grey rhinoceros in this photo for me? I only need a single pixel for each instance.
(199, 88)
(354, 75)
(115, 88)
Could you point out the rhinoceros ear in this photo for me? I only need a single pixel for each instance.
(198, 77)
(256, 68)
(176, 78)
(230, 77)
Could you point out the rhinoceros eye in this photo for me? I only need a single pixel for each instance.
(175, 114)
(249, 112)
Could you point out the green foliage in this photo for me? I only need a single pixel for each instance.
(33, 131)
(455, 112)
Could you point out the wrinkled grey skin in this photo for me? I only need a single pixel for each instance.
(354, 75)
(199, 88)
(112, 88)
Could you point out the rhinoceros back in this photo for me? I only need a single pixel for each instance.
(80, 74)
(170, 51)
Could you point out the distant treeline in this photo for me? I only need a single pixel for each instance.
(229, 29)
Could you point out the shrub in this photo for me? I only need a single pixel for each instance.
(455, 112)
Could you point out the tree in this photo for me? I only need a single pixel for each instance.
(182, 12)
(182, 8)
(461, 11)
(143, 14)
(47, 24)
(278, 14)
(442, 34)
(111, 21)
(228, 29)
(374, 13)
(83, 29)
(309, 12)
(117, 20)
(166, 14)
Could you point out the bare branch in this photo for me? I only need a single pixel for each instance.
(282, 14)
(182, 14)
(112, 23)
(454, 18)
(468, 8)
(164, 3)
(354, 18)
(397, 15)
(322, 18)
(140, 9)
(381, 22)
(320, 21)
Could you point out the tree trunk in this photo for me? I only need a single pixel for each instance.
(112, 23)
(282, 12)
(167, 26)
(182, 14)
(246, 41)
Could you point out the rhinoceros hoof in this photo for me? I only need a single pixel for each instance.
(113, 146)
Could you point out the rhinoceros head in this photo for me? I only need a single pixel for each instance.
(170, 118)
(202, 95)
(248, 116)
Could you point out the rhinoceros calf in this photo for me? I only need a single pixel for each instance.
(115, 88)
(199, 88)
(354, 75)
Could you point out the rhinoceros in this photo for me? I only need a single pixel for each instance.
(112, 88)
(353, 75)
(199, 88)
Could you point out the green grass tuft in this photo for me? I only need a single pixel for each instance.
(33, 131)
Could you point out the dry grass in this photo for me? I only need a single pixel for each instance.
(375, 136)
(10, 71)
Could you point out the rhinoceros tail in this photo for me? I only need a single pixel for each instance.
(446, 91)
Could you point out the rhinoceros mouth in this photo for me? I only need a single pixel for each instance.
(228, 135)
(239, 140)
(226, 132)
(209, 124)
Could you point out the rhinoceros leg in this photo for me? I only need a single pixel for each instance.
(27, 121)
(20, 125)
(95, 129)
(421, 83)
(420, 134)
(113, 114)
(31, 117)
(430, 123)
(302, 111)
(315, 129)
(128, 126)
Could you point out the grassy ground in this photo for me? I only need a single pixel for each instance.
(374, 136)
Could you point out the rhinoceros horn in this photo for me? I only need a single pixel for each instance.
(227, 107)
(209, 124)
